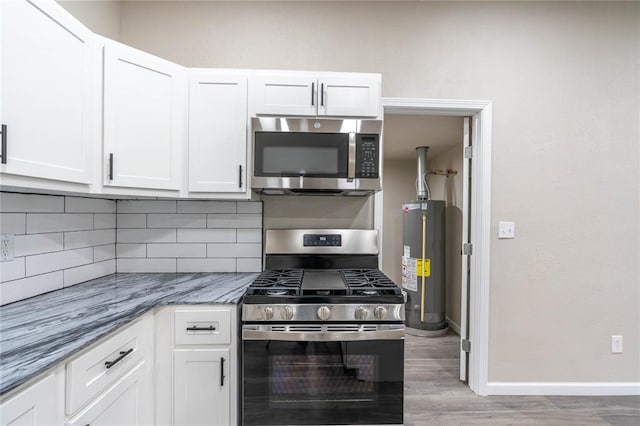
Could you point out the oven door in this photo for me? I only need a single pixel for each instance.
(322, 374)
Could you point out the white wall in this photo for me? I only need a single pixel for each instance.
(564, 78)
(100, 16)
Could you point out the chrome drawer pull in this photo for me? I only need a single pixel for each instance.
(123, 354)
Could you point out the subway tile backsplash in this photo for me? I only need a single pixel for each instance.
(188, 236)
(60, 241)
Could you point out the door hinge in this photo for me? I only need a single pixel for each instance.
(465, 344)
(468, 152)
(467, 249)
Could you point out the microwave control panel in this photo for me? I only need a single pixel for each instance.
(367, 156)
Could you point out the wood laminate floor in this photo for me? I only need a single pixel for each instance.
(435, 396)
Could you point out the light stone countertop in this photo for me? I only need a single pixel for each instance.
(43, 331)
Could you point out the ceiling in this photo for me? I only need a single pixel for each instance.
(403, 133)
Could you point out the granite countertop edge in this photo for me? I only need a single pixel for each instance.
(39, 333)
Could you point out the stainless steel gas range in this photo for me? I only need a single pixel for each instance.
(322, 333)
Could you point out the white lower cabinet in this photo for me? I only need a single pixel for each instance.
(128, 402)
(112, 382)
(201, 386)
(39, 404)
(196, 365)
(178, 366)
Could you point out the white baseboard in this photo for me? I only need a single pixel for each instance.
(452, 325)
(563, 388)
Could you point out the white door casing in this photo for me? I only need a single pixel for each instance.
(480, 226)
(464, 273)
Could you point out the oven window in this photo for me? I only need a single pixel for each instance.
(312, 383)
(290, 154)
(330, 377)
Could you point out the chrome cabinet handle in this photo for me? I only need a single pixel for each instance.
(123, 354)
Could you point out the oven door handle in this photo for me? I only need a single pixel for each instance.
(322, 336)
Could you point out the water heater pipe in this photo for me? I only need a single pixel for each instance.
(422, 187)
(424, 255)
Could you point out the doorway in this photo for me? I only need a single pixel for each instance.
(453, 126)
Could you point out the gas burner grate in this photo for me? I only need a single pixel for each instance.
(368, 282)
(276, 279)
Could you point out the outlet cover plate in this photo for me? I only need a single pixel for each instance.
(6, 247)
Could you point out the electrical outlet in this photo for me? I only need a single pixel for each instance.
(6, 247)
(616, 344)
(506, 230)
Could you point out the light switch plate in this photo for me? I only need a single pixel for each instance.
(6, 247)
(506, 229)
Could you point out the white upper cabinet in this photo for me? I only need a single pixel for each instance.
(350, 95)
(144, 114)
(217, 132)
(311, 94)
(49, 92)
(284, 94)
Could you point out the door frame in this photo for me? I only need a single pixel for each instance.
(480, 235)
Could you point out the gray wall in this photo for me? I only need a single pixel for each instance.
(564, 79)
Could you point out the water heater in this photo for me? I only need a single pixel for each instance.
(423, 257)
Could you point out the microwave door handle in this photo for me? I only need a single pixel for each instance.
(351, 166)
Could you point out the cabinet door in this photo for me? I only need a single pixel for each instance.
(39, 404)
(350, 96)
(284, 94)
(128, 402)
(201, 393)
(143, 118)
(217, 132)
(49, 91)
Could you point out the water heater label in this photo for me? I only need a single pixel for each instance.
(407, 251)
(407, 207)
(409, 277)
(423, 267)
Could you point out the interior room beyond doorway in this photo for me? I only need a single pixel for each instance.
(444, 137)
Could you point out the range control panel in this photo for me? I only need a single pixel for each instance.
(367, 156)
(325, 240)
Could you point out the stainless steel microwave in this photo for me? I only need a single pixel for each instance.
(314, 156)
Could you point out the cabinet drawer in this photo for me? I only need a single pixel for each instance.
(202, 326)
(128, 402)
(91, 373)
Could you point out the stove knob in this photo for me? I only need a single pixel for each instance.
(268, 312)
(324, 313)
(287, 313)
(380, 312)
(361, 313)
